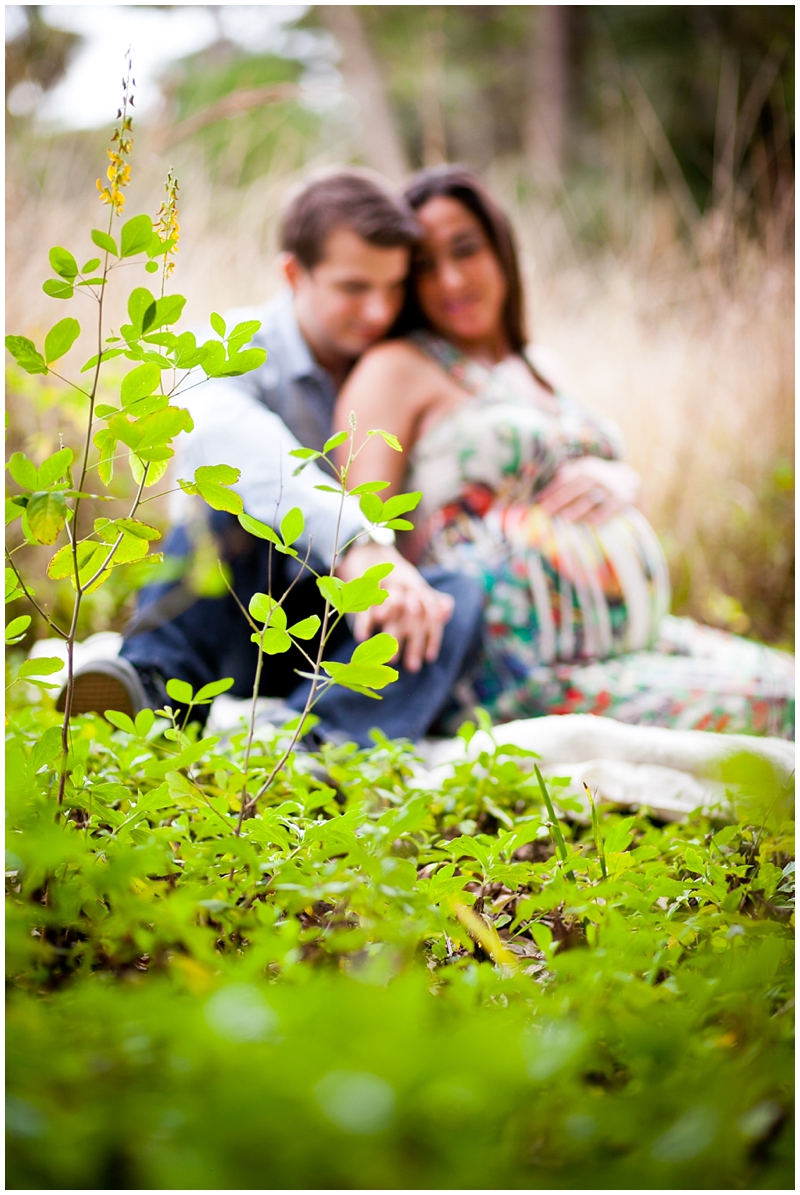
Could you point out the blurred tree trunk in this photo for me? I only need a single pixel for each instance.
(383, 148)
(434, 150)
(546, 116)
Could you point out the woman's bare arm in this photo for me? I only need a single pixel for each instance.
(387, 389)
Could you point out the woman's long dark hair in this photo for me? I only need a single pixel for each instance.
(463, 184)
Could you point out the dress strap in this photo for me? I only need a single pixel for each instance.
(473, 377)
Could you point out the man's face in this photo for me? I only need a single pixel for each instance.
(350, 298)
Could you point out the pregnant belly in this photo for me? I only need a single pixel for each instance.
(562, 590)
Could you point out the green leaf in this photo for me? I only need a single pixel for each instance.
(129, 548)
(365, 671)
(57, 289)
(767, 879)
(307, 454)
(106, 355)
(209, 692)
(135, 236)
(542, 936)
(140, 383)
(13, 587)
(219, 497)
(151, 267)
(370, 487)
(213, 362)
(187, 354)
(47, 749)
(141, 530)
(167, 340)
(55, 467)
(217, 323)
(619, 836)
(106, 442)
(47, 514)
(555, 829)
(391, 440)
(23, 471)
(221, 474)
(211, 482)
(353, 597)
(95, 567)
(371, 508)
(141, 310)
(694, 860)
(99, 281)
(239, 363)
(376, 650)
(60, 339)
(155, 469)
(40, 666)
(15, 508)
(180, 691)
(265, 609)
(334, 441)
(275, 642)
(400, 504)
(147, 406)
(168, 311)
(104, 241)
(15, 630)
(120, 720)
(144, 722)
(306, 629)
(91, 265)
(61, 565)
(246, 330)
(255, 527)
(153, 431)
(292, 525)
(385, 512)
(331, 589)
(159, 248)
(63, 263)
(25, 354)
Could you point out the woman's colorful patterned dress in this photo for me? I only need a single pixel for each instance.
(577, 615)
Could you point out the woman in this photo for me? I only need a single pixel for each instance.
(525, 488)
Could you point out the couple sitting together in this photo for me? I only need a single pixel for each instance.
(531, 584)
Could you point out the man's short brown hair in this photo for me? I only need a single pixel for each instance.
(350, 198)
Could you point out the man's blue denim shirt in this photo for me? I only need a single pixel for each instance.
(290, 382)
(253, 422)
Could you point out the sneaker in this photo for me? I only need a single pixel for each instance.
(101, 685)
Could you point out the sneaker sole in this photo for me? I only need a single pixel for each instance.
(96, 692)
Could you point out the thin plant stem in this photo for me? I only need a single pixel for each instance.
(65, 727)
(324, 634)
(32, 599)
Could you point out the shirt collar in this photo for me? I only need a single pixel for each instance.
(299, 358)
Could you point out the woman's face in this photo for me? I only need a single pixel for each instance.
(460, 285)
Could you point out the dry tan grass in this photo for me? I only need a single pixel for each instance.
(689, 346)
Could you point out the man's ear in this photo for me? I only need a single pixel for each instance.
(291, 269)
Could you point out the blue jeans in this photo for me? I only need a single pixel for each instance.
(202, 639)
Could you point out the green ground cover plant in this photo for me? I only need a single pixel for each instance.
(379, 986)
(233, 963)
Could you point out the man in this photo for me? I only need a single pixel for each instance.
(345, 256)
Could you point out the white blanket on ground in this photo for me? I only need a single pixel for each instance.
(671, 772)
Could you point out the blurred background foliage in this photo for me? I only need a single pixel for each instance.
(646, 153)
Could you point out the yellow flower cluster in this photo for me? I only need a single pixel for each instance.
(166, 223)
(119, 172)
